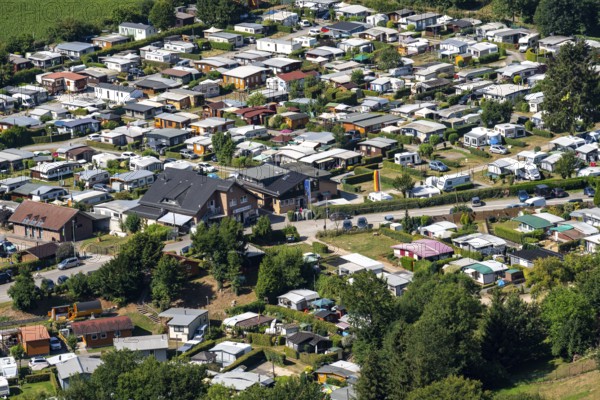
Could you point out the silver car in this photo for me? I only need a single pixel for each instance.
(67, 263)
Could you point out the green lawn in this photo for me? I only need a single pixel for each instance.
(376, 247)
(143, 325)
(27, 390)
(108, 244)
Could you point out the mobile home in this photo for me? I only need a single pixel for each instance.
(449, 182)
(407, 158)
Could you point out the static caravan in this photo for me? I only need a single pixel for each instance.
(407, 158)
(449, 182)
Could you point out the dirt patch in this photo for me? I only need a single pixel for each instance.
(197, 291)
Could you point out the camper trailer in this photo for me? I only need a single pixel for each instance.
(407, 158)
(449, 182)
(528, 42)
(80, 309)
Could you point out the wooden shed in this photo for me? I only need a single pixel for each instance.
(35, 340)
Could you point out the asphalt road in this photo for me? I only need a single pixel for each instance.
(90, 264)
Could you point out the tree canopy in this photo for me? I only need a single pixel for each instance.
(571, 89)
(162, 14)
(567, 17)
(280, 271)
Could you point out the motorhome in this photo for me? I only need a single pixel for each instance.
(380, 196)
(449, 182)
(528, 42)
(407, 158)
(532, 173)
(4, 388)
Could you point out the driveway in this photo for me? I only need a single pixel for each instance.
(92, 263)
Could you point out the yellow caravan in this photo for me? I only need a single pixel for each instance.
(78, 310)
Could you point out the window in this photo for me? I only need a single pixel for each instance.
(178, 328)
(117, 334)
(232, 203)
(94, 337)
(103, 335)
(244, 199)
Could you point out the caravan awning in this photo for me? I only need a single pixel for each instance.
(174, 219)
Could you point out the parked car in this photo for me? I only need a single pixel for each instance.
(314, 32)
(62, 279)
(438, 166)
(347, 225)
(67, 263)
(49, 283)
(389, 218)
(189, 154)
(55, 343)
(38, 363)
(170, 160)
(103, 187)
(362, 223)
(4, 278)
(498, 149)
(522, 195)
(589, 191)
(250, 40)
(305, 23)
(517, 205)
(206, 167)
(128, 154)
(94, 137)
(575, 201)
(559, 193)
(476, 202)
(339, 216)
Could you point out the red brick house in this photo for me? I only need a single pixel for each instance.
(256, 115)
(100, 332)
(50, 223)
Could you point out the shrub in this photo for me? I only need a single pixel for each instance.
(259, 339)
(541, 132)
(252, 358)
(479, 153)
(489, 58)
(509, 234)
(275, 356)
(257, 306)
(44, 377)
(515, 142)
(290, 353)
(320, 248)
(299, 316)
(222, 46)
(465, 186)
(316, 360)
(406, 263)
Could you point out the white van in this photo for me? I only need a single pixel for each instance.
(532, 173)
(536, 202)
(407, 158)
(4, 388)
(380, 196)
(449, 182)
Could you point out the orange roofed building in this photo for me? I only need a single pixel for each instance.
(35, 340)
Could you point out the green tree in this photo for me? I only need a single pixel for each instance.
(295, 90)
(71, 342)
(443, 341)
(404, 183)
(280, 271)
(388, 58)
(495, 112)
(71, 29)
(453, 138)
(65, 250)
(373, 383)
(17, 352)
(572, 90)
(223, 147)
(23, 292)
(509, 9)
(513, 331)
(357, 77)
(370, 306)
(256, 99)
(466, 219)
(167, 281)
(570, 319)
(567, 164)
(116, 364)
(546, 274)
(220, 13)
(566, 17)
(339, 134)
(78, 286)
(426, 150)
(435, 140)
(162, 14)
(451, 388)
(262, 229)
(132, 223)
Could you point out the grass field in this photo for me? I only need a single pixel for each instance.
(376, 247)
(36, 16)
(27, 390)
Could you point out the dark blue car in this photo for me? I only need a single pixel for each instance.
(522, 195)
(589, 191)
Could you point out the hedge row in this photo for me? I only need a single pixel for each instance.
(489, 58)
(204, 346)
(353, 180)
(450, 198)
(31, 265)
(249, 359)
(402, 237)
(257, 306)
(509, 234)
(320, 248)
(515, 142)
(293, 315)
(316, 360)
(542, 133)
(50, 139)
(221, 46)
(100, 145)
(568, 246)
(479, 153)
(35, 378)
(260, 339)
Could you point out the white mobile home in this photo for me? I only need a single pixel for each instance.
(407, 158)
(449, 182)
